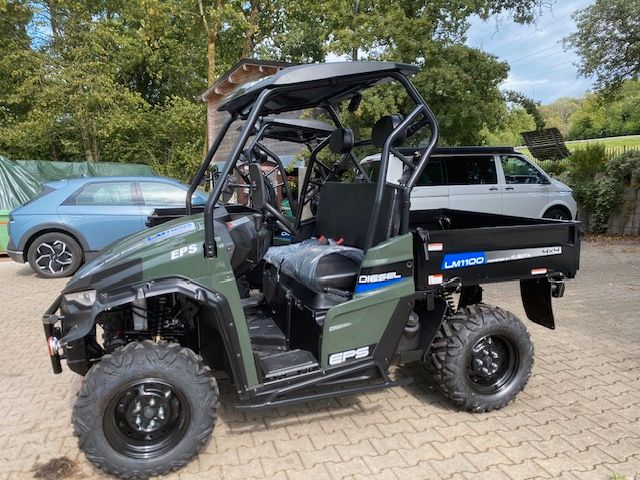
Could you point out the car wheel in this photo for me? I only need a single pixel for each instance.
(556, 213)
(481, 358)
(146, 409)
(55, 255)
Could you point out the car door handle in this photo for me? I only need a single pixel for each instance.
(508, 188)
(493, 188)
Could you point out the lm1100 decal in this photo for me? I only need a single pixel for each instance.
(470, 259)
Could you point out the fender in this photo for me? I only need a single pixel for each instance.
(36, 230)
(76, 327)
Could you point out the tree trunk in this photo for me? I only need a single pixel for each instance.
(250, 34)
(86, 142)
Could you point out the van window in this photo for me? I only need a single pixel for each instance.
(433, 174)
(471, 170)
(518, 170)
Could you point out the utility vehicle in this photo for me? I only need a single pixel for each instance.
(365, 282)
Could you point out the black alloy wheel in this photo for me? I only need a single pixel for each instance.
(481, 358)
(146, 419)
(146, 409)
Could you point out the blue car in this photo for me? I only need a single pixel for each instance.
(71, 220)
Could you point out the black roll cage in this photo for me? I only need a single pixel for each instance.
(422, 108)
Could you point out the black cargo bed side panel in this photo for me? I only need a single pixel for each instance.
(478, 232)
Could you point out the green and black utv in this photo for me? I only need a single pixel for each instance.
(363, 284)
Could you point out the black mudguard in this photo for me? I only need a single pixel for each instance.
(536, 299)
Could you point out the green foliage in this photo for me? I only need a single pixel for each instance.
(120, 81)
(626, 167)
(598, 185)
(608, 42)
(558, 113)
(555, 168)
(515, 121)
(530, 106)
(587, 162)
(597, 115)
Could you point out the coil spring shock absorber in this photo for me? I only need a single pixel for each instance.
(448, 289)
(157, 318)
(448, 297)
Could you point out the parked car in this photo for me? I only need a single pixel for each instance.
(487, 179)
(71, 220)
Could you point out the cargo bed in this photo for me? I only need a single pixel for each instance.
(484, 248)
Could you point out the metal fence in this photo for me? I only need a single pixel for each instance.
(612, 152)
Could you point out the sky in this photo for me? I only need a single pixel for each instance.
(540, 67)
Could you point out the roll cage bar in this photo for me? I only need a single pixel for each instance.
(415, 167)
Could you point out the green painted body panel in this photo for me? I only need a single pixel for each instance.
(162, 257)
(363, 320)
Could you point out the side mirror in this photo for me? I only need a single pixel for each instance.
(258, 191)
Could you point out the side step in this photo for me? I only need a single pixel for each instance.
(310, 389)
(265, 334)
(282, 365)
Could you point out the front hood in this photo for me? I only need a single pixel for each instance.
(561, 187)
(121, 262)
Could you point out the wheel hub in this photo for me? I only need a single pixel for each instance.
(486, 360)
(493, 364)
(146, 419)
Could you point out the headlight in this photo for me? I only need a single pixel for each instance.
(86, 298)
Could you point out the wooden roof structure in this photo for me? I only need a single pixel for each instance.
(246, 70)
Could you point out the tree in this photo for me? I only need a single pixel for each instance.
(114, 80)
(558, 113)
(515, 121)
(608, 42)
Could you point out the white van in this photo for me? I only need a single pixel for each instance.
(485, 179)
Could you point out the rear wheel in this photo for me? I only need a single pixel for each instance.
(145, 410)
(481, 358)
(54, 255)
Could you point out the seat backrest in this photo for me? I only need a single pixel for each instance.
(345, 209)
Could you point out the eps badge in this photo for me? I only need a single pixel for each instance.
(182, 251)
(353, 354)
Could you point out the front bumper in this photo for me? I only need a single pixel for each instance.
(65, 339)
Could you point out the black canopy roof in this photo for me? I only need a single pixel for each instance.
(296, 130)
(305, 86)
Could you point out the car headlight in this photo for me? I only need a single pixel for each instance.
(85, 298)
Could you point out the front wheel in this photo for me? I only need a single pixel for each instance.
(145, 410)
(557, 213)
(481, 358)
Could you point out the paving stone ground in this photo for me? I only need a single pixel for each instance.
(579, 417)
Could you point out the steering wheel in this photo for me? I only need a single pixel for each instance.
(263, 196)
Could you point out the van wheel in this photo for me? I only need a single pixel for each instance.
(481, 358)
(145, 410)
(557, 213)
(55, 255)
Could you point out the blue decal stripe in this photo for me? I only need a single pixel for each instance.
(367, 287)
(462, 260)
